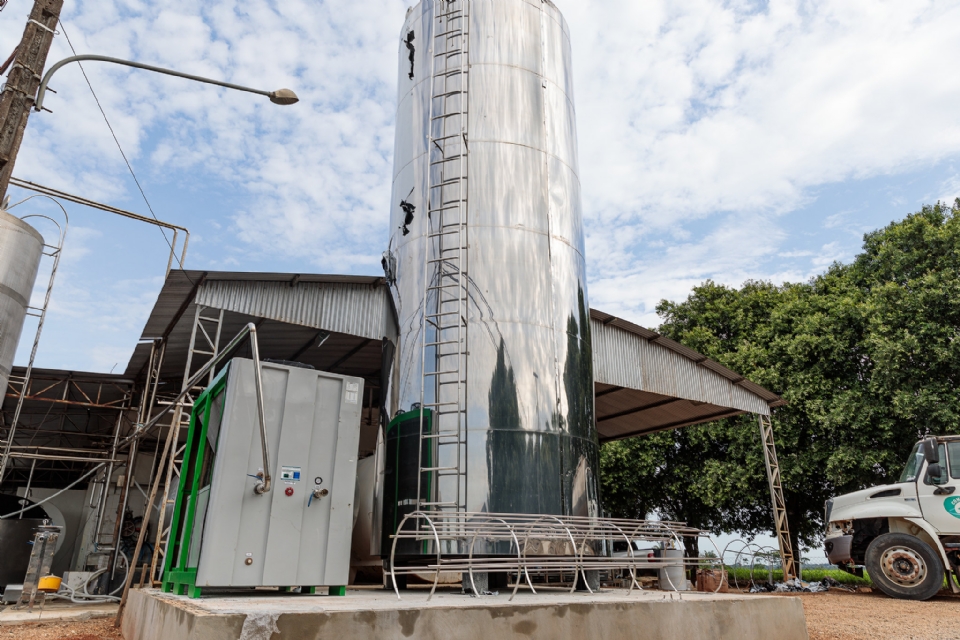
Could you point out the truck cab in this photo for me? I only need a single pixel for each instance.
(906, 534)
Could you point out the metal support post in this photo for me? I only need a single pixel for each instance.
(19, 93)
(147, 400)
(780, 524)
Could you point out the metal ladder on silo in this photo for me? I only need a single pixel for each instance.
(445, 269)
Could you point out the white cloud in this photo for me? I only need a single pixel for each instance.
(696, 109)
(719, 111)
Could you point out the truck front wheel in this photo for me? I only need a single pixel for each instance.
(903, 566)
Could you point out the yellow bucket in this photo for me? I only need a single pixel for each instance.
(49, 583)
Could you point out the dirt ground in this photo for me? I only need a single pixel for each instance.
(834, 615)
(98, 629)
(839, 615)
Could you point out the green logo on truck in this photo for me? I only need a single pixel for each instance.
(952, 505)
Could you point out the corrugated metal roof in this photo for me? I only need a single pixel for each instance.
(646, 382)
(355, 309)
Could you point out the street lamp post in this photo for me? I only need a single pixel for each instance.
(280, 96)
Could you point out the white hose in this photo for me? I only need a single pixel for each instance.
(82, 598)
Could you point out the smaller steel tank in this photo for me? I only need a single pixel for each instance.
(21, 248)
(16, 537)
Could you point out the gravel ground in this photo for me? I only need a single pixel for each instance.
(834, 615)
(840, 615)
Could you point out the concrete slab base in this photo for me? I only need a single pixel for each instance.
(58, 611)
(554, 615)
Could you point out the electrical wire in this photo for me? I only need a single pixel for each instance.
(117, 141)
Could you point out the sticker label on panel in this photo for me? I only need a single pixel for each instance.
(952, 505)
(353, 390)
(290, 474)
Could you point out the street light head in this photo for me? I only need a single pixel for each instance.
(283, 96)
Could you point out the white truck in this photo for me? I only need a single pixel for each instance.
(907, 534)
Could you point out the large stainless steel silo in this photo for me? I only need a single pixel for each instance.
(21, 248)
(487, 271)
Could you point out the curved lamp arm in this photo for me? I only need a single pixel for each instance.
(280, 96)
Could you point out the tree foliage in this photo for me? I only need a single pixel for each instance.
(866, 356)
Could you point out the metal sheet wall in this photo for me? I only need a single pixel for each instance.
(626, 360)
(355, 309)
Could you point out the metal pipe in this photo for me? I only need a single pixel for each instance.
(50, 191)
(173, 246)
(39, 456)
(263, 486)
(37, 448)
(51, 497)
(107, 480)
(146, 407)
(169, 447)
(280, 96)
(26, 494)
(250, 330)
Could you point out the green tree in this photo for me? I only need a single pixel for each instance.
(866, 356)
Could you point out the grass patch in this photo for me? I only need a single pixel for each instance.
(742, 576)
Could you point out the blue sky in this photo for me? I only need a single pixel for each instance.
(718, 139)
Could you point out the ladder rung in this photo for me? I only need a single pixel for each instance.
(449, 54)
(440, 404)
(437, 344)
(435, 436)
(437, 504)
(450, 159)
(439, 373)
(432, 469)
(445, 183)
(453, 381)
(447, 94)
(448, 207)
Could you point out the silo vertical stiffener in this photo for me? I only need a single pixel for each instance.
(491, 391)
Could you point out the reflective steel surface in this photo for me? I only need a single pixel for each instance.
(532, 443)
(20, 250)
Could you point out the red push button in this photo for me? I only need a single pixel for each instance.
(289, 491)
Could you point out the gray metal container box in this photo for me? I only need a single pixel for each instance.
(285, 537)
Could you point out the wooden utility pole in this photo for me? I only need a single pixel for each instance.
(18, 95)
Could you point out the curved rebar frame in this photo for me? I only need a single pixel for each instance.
(520, 563)
(569, 541)
(417, 515)
(569, 535)
(719, 560)
(633, 564)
